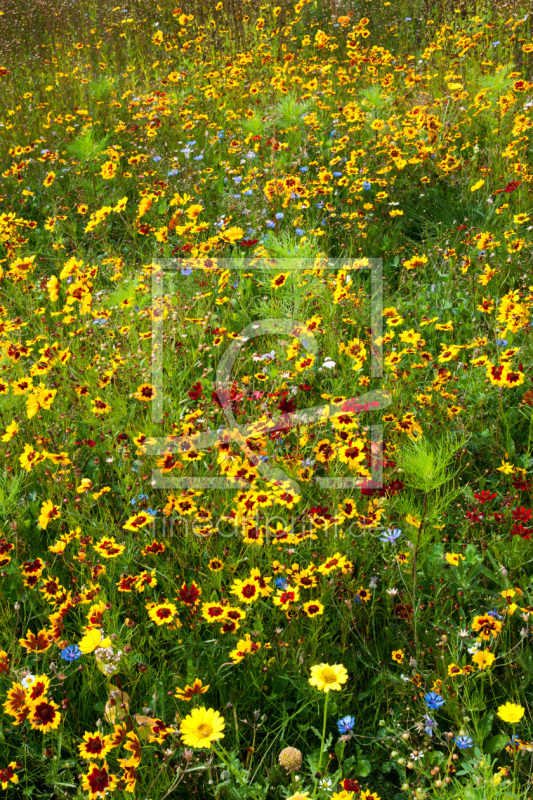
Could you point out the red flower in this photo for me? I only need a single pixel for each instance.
(521, 514)
(97, 781)
(195, 391)
(349, 785)
(189, 596)
(519, 530)
(474, 516)
(287, 405)
(521, 484)
(512, 186)
(394, 487)
(485, 496)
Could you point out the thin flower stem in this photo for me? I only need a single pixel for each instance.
(322, 743)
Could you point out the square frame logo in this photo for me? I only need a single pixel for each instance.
(233, 432)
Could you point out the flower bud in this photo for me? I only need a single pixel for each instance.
(291, 759)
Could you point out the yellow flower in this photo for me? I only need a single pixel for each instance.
(453, 558)
(483, 659)
(189, 692)
(92, 640)
(506, 467)
(416, 261)
(326, 677)
(109, 170)
(48, 512)
(232, 234)
(510, 712)
(398, 656)
(11, 430)
(477, 185)
(163, 613)
(145, 392)
(201, 727)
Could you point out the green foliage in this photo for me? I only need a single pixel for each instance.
(86, 146)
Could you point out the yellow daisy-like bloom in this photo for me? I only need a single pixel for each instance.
(145, 393)
(201, 727)
(163, 613)
(326, 677)
(108, 171)
(44, 715)
(510, 712)
(483, 659)
(92, 640)
(49, 511)
(453, 558)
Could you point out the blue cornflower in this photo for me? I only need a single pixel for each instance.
(172, 173)
(71, 653)
(463, 742)
(494, 614)
(281, 583)
(152, 511)
(279, 215)
(299, 231)
(237, 179)
(391, 535)
(186, 272)
(337, 174)
(304, 169)
(434, 700)
(143, 497)
(429, 724)
(198, 158)
(156, 159)
(367, 185)
(270, 224)
(346, 724)
(248, 192)
(501, 342)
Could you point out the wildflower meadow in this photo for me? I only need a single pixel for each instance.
(266, 468)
